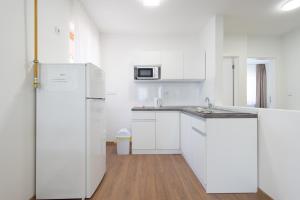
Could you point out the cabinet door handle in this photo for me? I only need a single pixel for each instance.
(198, 131)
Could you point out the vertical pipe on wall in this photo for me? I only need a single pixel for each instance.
(36, 61)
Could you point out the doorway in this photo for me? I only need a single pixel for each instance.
(230, 80)
(268, 90)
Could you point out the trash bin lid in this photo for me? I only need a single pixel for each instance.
(124, 132)
(123, 137)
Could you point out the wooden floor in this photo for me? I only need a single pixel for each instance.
(155, 177)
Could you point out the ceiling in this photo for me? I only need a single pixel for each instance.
(189, 16)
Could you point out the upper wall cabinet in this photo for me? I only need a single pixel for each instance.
(175, 65)
(195, 66)
(148, 58)
(172, 65)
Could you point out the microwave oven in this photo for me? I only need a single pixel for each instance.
(147, 72)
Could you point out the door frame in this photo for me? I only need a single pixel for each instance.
(236, 71)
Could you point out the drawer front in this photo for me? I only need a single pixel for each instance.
(199, 124)
(143, 115)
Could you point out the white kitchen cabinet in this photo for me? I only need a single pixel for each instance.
(231, 155)
(143, 134)
(175, 65)
(221, 152)
(155, 132)
(185, 133)
(172, 65)
(198, 145)
(196, 69)
(167, 130)
(148, 58)
(193, 145)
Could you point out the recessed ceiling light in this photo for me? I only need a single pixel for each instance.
(151, 3)
(290, 5)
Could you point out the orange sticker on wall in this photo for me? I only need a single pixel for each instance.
(72, 36)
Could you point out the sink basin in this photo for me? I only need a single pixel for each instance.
(204, 110)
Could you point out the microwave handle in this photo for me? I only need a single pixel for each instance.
(135, 73)
(159, 72)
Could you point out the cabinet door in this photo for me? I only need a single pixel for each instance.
(167, 130)
(172, 65)
(143, 134)
(185, 136)
(148, 58)
(195, 69)
(199, 154)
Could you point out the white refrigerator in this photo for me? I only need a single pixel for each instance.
(70, 140)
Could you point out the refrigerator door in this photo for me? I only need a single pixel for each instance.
(60, 127)
(96, 144)
(95, 82)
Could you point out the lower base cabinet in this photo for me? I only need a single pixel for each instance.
(156, 132)
(193, 145)
(143, 134)
(198, 144)
(221, 152)
(167, 130)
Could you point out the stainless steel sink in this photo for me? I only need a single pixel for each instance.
(204, 110)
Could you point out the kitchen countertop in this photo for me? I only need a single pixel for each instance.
(217, 113)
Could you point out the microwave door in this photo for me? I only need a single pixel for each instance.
(145, 73)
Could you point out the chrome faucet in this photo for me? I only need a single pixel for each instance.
(209, 104)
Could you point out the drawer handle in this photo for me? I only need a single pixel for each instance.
(198, 131)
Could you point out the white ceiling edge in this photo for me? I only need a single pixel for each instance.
(253, 17)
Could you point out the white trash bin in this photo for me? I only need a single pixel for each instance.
(123, 142)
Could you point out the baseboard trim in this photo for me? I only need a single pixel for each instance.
(262, 195)
(154, 151)
(33, 198)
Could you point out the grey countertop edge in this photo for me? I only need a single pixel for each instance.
(201, 115)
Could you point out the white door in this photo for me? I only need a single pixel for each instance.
(198, 143)
(143, 134)
(148, 58)
(229, 80)
(167, 130)
(96, 145)
(185, 136)
(172, 65)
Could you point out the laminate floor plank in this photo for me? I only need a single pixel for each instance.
(155, 177)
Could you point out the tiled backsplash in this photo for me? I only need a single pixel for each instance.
(171, 93)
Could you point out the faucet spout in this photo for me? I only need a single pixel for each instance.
(209, 104)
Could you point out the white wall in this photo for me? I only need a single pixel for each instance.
(118, 54)
(16, 106)
(54, 46)
(87, 38)
(251, 46)
(17, 124)
(279, 160)
(212, 42)
(278, 152)
(291, 49)
(236, 45)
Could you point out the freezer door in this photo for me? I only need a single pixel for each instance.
(96, 144)
(95, 82)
